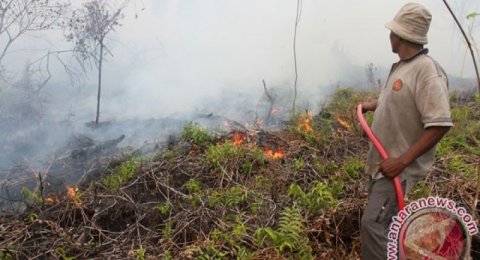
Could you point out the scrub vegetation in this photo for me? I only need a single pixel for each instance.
(296, 193)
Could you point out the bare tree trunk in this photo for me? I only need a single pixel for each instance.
(297, 20)
(270, 109)
(100, 61)
(2, 16)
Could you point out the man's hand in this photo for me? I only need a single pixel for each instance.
(369, 105)
(392, 167)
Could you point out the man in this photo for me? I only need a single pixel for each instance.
(411, 115)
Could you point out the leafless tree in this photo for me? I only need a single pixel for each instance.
(19, 17)
(88, 30)
(297, 21)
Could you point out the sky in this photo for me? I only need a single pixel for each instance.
(175, 56)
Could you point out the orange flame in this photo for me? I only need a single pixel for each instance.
(306, 123)
(72, 195)
(51, 201)
(274, 155)
(344, 123)
(238, 138)
(192, 150)
(71, 192)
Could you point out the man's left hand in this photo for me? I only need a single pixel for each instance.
(392, 167)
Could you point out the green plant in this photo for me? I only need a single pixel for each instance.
(193, 186)
(289, 235)
(167, 230)
(257, 155)
(420, 190)
(247, 166)
(252, 157)
(445, 146)
(228, 239)
(232, 197)
(352, 167)
(239, 229)
(460, 117)
(31, 197)
(244, 254)
(171, 154)
(298, 164)
(258, 203)
(319, 196)
(457, 164)
(194, 133)
(5, 255)
(220, 154)
(121, 174)
(140, 253)
(210, 253)
(220, 236)
(262, 183)
(314, 132)
(167, 255)
(194, 189)
(31, 217)
(163, 208)
(343, 101)
(60, 251)
(336, 188)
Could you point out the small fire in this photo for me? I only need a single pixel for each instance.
(192, 151)
(71, 192)
(274, 154)
(344, 123)
(238, 138)
(306, 122)
(72, 195)
(49, 201)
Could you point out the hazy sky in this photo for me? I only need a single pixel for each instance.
(179, 52)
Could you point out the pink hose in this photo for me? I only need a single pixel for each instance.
(383, 153)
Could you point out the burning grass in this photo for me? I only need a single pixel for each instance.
(296, 193)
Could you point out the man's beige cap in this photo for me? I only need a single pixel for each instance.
(411, 23)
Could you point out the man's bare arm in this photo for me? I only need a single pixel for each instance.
(394, 166)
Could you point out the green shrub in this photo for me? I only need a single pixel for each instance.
(194, 133)
(193, 186)
(163, 208)
(167, 230)
(31, 197)
(352, 167)
(343, 101)
(298, 164)
(420, 190)
(289, 236)
(220, 154)
(319, 196)
(457, 164)
(121, 174)
(231, 197)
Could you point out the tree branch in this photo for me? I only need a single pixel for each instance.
(468, 43)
